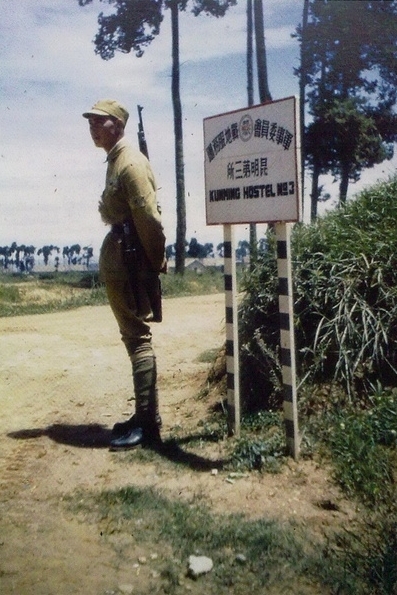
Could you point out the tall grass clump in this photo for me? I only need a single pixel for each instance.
(345, 291)
(362, 448)
(259, 333)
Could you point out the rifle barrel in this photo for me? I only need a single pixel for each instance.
(141, 134)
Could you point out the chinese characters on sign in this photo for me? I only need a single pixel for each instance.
(252, 154)
(236, 170)
(260, 129)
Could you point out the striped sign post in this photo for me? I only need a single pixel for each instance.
(287, 336)
(232, 342)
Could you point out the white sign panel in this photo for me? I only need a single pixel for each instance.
(252, 164)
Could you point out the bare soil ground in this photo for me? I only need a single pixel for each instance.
(65, 379)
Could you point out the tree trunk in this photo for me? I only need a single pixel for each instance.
(314, 192)
(178, 133)
(250, 55)
(261, 61)
(344, 183)
(264, 92)
(302, 96)
(250, 93)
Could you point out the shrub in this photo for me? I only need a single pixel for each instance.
(259, 333)
(345, 291)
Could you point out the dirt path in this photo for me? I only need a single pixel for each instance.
(65, 379)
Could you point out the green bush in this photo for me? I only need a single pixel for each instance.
(345, 291)
(259, 333)
(262, 445)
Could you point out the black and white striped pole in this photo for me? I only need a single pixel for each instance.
(287, 336)
(232, 342)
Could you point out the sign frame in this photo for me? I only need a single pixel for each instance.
(252, 164)
(280, 203)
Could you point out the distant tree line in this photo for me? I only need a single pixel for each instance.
(194, 249)
(21, 256)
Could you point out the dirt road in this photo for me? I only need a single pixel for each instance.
(65, 379)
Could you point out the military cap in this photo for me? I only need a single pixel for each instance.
(108, 107)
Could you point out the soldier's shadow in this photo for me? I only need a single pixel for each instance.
(98, 436)
(172, 449)
(80, 435)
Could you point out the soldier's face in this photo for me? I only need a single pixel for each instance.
(105, 131)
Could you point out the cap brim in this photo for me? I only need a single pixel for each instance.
(95, 112)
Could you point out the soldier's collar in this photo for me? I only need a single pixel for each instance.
(114, 151)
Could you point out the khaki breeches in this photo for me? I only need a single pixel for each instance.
(137, 337)
(134, 330)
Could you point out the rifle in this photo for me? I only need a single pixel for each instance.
(141, 134)
(134, 254)
(141, 274)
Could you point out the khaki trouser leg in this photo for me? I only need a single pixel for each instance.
(136, 336)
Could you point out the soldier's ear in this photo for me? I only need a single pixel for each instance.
(120, 125)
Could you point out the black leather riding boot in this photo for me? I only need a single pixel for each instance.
(143, 427)
(144, 372)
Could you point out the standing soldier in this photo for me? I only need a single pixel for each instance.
(131, 258)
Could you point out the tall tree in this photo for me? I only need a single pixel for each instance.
(132, 27)
(261, 60)
(87, 255)
(71, 253)
(250, 54)
(302, 93)
(46, 251)
(250, 94)
(6, 251)
(349, 60)
(255, 24)
(197, 250)
(178, 134)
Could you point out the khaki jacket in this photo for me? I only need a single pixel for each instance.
(130, 193)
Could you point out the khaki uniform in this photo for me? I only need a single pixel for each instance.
(130, 194)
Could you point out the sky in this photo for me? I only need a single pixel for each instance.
(51, 174)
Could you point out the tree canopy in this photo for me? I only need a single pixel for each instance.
(135, 23)
(349, 68)
(132, 27)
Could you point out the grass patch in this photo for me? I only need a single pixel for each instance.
(56, 291)
(249, 556)
(262, 445)
(36, 299)
(361, 447)
(206, 283)
(9, 294)
(264, 556)
(208, 356)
